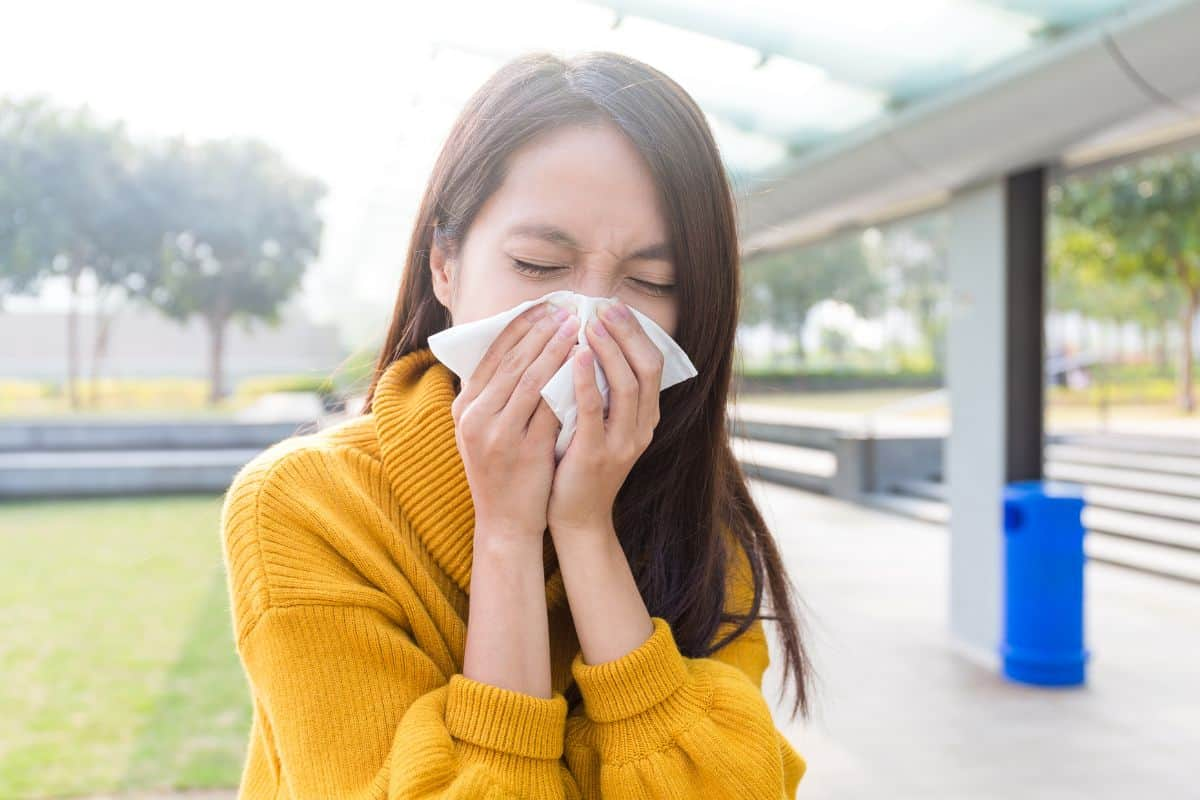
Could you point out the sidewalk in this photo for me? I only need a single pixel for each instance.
(901, 713)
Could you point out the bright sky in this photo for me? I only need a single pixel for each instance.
(351, 92)
(362, 94)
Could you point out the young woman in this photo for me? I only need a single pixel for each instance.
(388, 575)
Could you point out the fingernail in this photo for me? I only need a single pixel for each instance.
(539, 311)
(560, 313)
(567, 328)
(598, 328)
(610, 311)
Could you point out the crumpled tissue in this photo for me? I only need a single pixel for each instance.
(462, 347)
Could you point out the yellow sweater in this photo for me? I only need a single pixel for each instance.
(348, 556)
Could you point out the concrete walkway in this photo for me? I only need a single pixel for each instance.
(902, 713)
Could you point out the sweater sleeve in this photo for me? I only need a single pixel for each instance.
(356, 710)
(346, 701)
(656, 723)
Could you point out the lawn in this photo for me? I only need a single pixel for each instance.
(859, 400)
(117, 654)
(1065, 408)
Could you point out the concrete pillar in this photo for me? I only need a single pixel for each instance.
(994, 374)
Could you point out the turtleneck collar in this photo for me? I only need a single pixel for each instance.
(415, 430)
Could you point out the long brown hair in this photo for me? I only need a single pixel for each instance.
(669, 529)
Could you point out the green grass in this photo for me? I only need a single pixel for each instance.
(139, 397)
(117, 653)
(1149, 401)
(860, 400)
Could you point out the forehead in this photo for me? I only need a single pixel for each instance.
(590, 181)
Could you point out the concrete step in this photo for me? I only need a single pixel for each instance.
(1188, 447)
(1118, 478)
(920, 508)
(103, 473)
(1105, 513)
(808, 460)
(1152, 559)
(927, 490)
(805, 436)
(798, 467)
(1162, 557)
(1138, 527)
(1142, 462)
(164, 434)
(1140, 503)
(1176, 509)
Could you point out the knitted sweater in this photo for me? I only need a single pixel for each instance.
(348, 558)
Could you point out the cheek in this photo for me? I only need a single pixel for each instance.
(662, 311)
(669, 327)
(487, 287)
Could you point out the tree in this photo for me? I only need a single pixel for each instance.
(912, 254)
(69, 205)
(1150, 212)
(1084, 276)
(25, 254)
(782, 287)
(239, 230)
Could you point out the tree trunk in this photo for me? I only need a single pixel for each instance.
(216, 355)
(99, 345)
(1187, 389)
(73, 337)
(1163, 354)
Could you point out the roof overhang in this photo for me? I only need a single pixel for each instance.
(1129, 82)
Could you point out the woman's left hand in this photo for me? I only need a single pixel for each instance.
(603, 450)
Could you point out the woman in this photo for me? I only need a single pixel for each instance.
(357, 554)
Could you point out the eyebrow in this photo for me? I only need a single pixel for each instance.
(555, 235)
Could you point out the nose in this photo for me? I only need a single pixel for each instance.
(596, 281)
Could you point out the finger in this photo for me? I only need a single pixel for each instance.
(527, 392)
(589, 424)
(622, 383)
(514, 332)
(544, 425)
(513, 364)
(644, 357)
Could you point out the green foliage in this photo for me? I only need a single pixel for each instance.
(1125, 245)
(782, 287)
(1158, 391)
(146, 395)
(840, 372)
(256, 387)
(69, 199)
(238, 229)
(222, 230)
(899, 266)
(834, 380)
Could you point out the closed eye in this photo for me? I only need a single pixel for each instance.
(659, 289)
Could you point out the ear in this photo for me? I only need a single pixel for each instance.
(440, 271)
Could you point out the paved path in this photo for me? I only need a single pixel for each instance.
(902, 713)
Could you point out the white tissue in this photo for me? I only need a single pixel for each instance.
(462, 347)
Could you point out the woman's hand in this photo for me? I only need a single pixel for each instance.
(505, 431)
(603, 450)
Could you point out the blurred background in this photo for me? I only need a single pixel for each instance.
(971, 256)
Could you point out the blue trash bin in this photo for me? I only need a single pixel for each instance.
(1043, 583)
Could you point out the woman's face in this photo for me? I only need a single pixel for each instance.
(579, 209)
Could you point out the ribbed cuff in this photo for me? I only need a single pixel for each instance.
(635, 682)
(504, 719)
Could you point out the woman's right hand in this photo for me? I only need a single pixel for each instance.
(505, 430)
